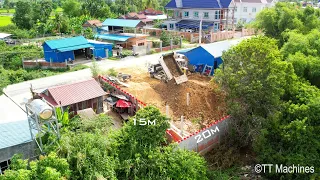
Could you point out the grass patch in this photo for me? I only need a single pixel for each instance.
(5, 11)
(78, 67)
(113, 58)
(5, 20)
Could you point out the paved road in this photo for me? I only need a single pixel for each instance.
(18, 92)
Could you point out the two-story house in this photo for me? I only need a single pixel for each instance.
(216, 15)
(246, 10)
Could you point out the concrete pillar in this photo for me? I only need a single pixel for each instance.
(171, 44)
(50, 62)
(107, 53)
(134, 49)
(160, 46)
(182, 123)
(66, 61)
(22, 67)
(180, 42)
(148, 49)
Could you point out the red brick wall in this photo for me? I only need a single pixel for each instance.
(167, 48)
(43, 65)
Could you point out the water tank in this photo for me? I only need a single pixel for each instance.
(42, 109)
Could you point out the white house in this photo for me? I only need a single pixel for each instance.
(246, 10)
(217, 15)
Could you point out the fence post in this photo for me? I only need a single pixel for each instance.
(160, 46)
(181, 126)
(148, 48)
(107, 53)
(50, 62)
(66, 62)
(23, 63)
(171, 44)
(180, 42)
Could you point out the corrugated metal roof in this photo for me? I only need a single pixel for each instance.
(113, 37)
(72, 48)
(67, 42)
(76, 92)
(194, 24)
(200, 4)
(4, 35)
(216, 49)
(121, 22)
(171, 4)
(14, 133)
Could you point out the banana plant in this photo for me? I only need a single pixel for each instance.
(63, 116)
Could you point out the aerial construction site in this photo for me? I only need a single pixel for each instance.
(187, 94)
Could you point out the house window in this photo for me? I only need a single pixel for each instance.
(196, 14)
(206, 15)
(177, 13)
(244, 20)
(254, 9)
(216, 26)
(186, 14)
(235, 9)
(235, 20)
(171, 26)
(245, 9)
(217, 15)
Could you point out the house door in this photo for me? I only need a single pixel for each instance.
(216, 27)
(180, 14)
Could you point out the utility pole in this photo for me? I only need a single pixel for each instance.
(200, 30)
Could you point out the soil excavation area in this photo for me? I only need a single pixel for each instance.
(205, 105)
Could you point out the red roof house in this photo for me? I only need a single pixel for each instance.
(76, 96)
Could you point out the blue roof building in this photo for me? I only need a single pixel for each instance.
(100, 49)
(60, 50)
(216, 14)
(207, 57)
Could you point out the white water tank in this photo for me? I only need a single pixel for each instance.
(42, 109)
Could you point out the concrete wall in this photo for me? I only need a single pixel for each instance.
(26, 149)
(205, 139)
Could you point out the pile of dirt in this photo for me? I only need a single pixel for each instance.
(172, 66)
(205, 104)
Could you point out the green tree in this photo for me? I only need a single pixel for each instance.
(6, 5)
(254, 77)
(71, 8)
(95, 70)
(23, 15)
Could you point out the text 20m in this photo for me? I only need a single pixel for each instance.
(143, 122)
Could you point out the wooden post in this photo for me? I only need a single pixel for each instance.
(188, 99)
(167, 111)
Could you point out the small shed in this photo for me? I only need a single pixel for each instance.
(207, 57)
(60, 50)
(100, 49)
(77, 96)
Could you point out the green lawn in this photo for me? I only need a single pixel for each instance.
(5, 20)
(5, 11)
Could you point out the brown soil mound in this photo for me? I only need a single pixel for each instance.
(172, 66)
(205, 104)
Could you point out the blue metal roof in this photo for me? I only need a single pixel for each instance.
(72, 48)
(172, 4)
(113, 37)
(66, 42)
(14, 133)
(194, 24)
(199, 4)
(121, 22)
